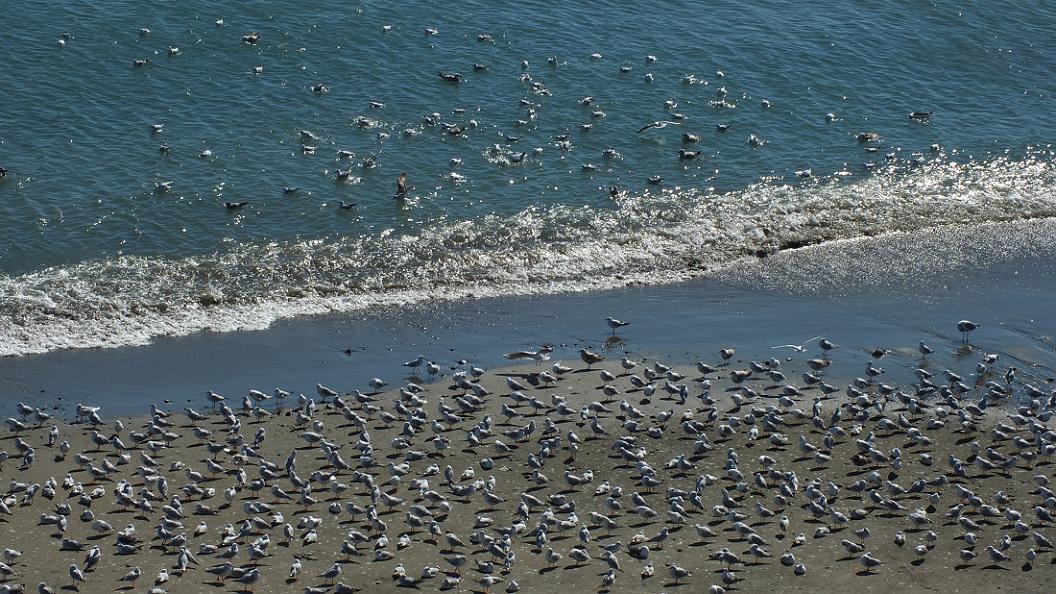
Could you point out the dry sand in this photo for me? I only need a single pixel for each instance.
(829, 566)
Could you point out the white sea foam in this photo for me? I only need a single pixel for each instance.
(650, 238)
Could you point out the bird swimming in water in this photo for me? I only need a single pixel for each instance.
(234, 205)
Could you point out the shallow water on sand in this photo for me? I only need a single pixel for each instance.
(866, 294)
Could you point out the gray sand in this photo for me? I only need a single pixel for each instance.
(822, 497)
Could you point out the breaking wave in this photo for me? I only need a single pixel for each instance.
(654, 237)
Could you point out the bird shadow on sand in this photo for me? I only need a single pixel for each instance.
(547, 570)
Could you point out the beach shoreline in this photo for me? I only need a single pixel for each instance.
(828, 565)
(877, 293)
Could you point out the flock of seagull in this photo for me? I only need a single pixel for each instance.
(530, 105)
(476, 479)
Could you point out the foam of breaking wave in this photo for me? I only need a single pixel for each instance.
(650, 238)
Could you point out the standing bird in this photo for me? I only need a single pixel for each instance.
(415, 364)
(966, 327)
(590, 358)
(401, 186)
(75, 576)
(678, 573)
(249, 578)
(925, 350)
(614, 324)
(727, 354)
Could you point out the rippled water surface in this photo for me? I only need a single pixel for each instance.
(93, 255)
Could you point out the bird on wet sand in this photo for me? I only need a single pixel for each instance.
(590, 358)
(966, 327)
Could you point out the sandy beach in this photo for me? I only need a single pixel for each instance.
(769, 477)
(332, 298)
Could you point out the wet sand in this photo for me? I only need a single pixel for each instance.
(830, 488)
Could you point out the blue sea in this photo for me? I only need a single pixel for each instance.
(112, 211)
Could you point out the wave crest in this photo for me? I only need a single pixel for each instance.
(649, 238)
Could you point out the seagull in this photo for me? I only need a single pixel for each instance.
(799, 348)
(678, 573)
(827, 345)
(925, 350)
(590, 358)
(869, 562)
(76, 575)
(657, 124)
(132, 576)
(543, 354)
(331, 573)
(965, 327)
(415, 364)
(250, 578)
(614, 324)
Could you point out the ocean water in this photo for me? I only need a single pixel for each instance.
(93, 255)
